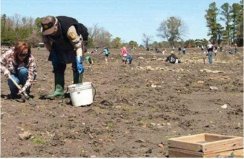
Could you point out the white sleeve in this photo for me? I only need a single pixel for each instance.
(75, 39)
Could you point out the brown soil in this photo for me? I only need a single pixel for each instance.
(136, 110)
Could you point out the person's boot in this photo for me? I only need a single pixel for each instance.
(77, 78)
(59, 87)
(13, 96)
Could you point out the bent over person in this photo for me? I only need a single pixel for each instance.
(172, 58)
(65, 38)
(19, 65)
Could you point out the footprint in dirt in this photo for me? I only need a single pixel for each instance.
(121, 100)
(106, 103)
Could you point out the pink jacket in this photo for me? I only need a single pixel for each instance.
(124, 51)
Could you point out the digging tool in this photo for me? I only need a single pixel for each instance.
(16, 84)
(26, 96)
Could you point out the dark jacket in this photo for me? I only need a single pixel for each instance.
(62, 47)
(171, 58)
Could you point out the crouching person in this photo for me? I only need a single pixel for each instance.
(89, 59)
(124, 54)
(126, 57)
(19, 65)
(172, 58)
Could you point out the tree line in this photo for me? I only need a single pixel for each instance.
(19, 28)
(225, 25)
(231, 15)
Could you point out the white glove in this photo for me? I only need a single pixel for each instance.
(6, 73)
(79, 52)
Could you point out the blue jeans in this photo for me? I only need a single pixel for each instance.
(129, 59)
(20, 77)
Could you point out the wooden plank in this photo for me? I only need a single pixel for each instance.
(223, 145)
(184, 145)
(175, 152)
(233, 153)
(216, 137)
(190, 138)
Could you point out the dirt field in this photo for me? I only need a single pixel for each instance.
(137, 107)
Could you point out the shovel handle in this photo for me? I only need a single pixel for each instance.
(95, 91)
(16, 84)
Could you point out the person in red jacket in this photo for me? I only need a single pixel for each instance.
(19, 64)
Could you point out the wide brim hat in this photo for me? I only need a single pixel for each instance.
(49, 25)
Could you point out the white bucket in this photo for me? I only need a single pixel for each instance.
(81, 94)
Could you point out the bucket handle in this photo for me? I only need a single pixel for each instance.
(95, 91)
(93, 87)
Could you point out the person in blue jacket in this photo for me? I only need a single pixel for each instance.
(106, 53)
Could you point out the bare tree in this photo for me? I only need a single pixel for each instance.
(93, 31)
(34, 39)
(146, 40)
(100, 37)
(172, 29)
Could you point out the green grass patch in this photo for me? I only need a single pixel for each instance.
(38, 140)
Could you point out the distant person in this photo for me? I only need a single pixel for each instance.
(124, 53)
(184, 50)
(172, 58)
(204, 54)
(65, 38)
(164, 51)
(106, 54)
(210, 48)
(215, 50)
(236, 50)
(202, 48)
(126, 57)
(20, 65)
(179, 49)
(94, 51)
(89, 59)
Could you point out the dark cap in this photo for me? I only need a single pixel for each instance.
(49, 25)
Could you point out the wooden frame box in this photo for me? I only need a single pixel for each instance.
(206, 145)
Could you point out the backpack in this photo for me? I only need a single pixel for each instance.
(171, 58)
(106, 51)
